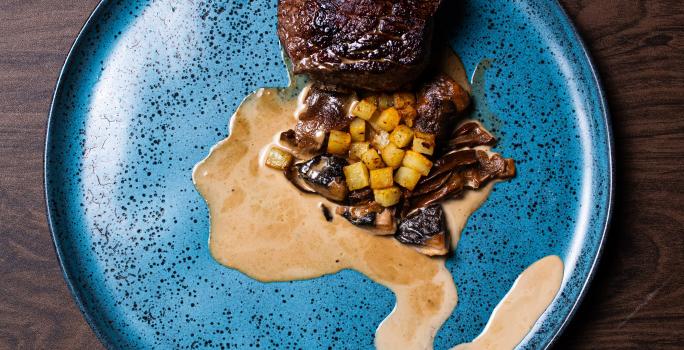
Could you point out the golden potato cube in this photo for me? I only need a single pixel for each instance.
(403, 99)
(364, 109)
(357, 129)
(372, 159)
(388, 119)
(379, 139)
(381, 178)
(401, 136)
(357, 150)
(417, 162)
(356, 176)
(278, 159)
(385, 101)
(393, 155)
(407, 178)
(388, 197)
(423, 143)
(408, 115)
(339, 142)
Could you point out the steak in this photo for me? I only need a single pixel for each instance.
(377, 45)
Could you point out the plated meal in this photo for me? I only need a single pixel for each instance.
(371, 161)
(412, 175)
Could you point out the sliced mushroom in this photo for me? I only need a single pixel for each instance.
(371, 216)
(452, 186)
(321, 174)
(426, 231)
(360, 197)
(451, 161)
(470, 134)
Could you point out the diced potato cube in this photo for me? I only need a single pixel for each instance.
(338, 142)
(356, 176)
(381, 178)
(408, 115)
(403, 99)
(424, 143)
(372, 159)
(357, 129)
(364, 109)
(385, 101)
(357, 150)
(407, 178)
(393, 155)
(380, 139)
(401, 136)
(388, 119)
(417, 162)
(278, 159)
(425, 136)
(388, 197)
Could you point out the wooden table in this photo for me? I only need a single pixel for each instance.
(635, 301)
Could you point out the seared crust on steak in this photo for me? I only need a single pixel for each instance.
(377, 45)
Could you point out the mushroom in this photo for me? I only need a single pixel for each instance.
(425, 230)
(372, 216)
(321, 174)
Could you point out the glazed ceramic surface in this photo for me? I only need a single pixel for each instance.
(150, 86)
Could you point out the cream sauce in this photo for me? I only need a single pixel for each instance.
(264, 227)
(517, 313)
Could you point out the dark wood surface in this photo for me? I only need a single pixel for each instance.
(635, 301)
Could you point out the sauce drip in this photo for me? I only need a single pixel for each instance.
(264, 227)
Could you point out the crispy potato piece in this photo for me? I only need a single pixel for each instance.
(417, 162)
(407, 178)
(338, 142)
(393, 155)
(357, 150)
(403, 99)
(401, 136)
(365, 109)
(424, 143)
(357, 129)
(372, 159)
(356, 176)
(388, 119)
(278, 159)
(388, 197)
(381, 178)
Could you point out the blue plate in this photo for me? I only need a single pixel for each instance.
(149, 87)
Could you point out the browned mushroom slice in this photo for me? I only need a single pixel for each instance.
(324, 111)
(453, 186)
(440, 102)
(360, 197)
(451, 161)
(372, 216)
(426, 231)
(322, 174)
(470, 134)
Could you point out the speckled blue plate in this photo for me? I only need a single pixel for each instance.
(150, 86)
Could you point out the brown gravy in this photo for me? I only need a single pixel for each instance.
(264, 227)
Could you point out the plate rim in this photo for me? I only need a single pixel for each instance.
(608, 213)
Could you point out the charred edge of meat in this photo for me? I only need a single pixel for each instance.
(425, 230)
(371, 45)
(326, 213)
(470, 135)
(371, 216)
(322, 174)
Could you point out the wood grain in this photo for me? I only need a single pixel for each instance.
(635, 301)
